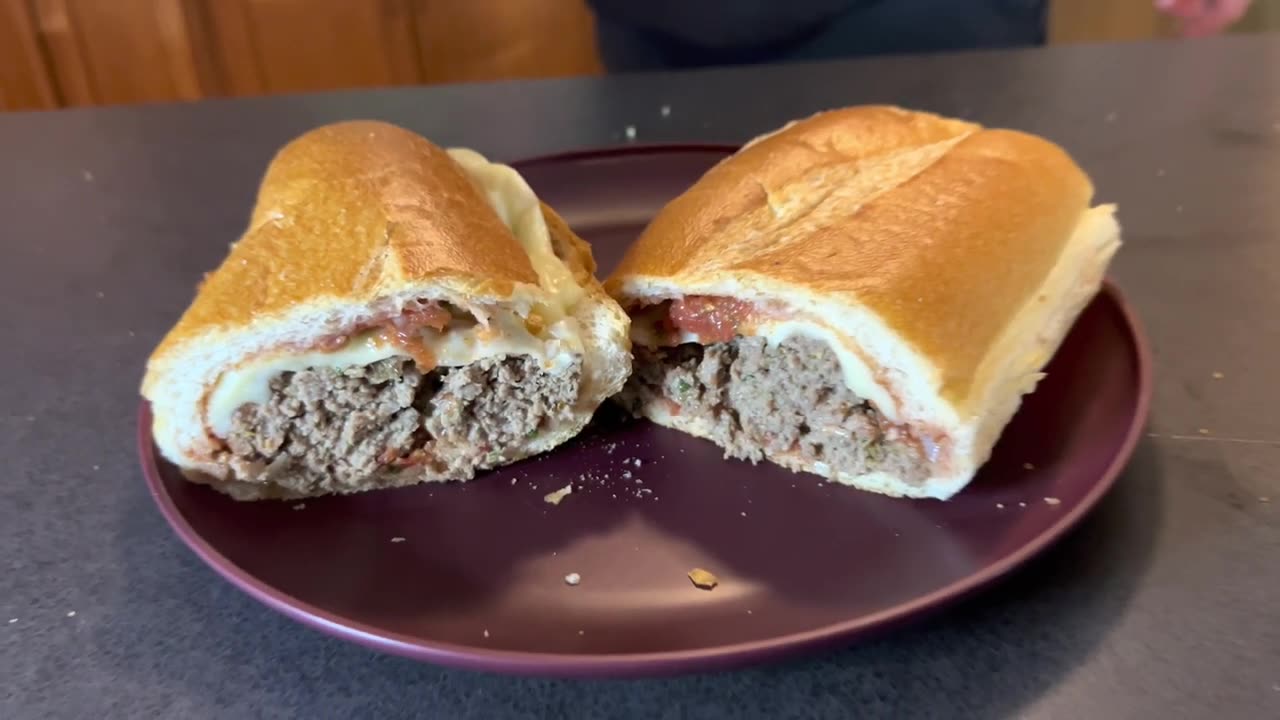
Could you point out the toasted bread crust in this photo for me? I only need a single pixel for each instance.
(943, 229)
(344, 213)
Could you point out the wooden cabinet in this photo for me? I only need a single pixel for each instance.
(25, 83)
(472, 40)
(123, 51)
(93, 52)
(270, 46)
(1073, 21)
(294, 45)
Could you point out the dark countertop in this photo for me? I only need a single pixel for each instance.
(1163, 604)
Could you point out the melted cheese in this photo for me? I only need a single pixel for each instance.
(506, 334)
(518, 206)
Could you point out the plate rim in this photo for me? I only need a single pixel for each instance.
(636, 148)
(665, 662)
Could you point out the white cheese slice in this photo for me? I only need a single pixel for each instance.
(518, 206)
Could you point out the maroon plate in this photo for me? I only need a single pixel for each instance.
(473, 574)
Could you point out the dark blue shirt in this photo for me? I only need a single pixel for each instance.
(658, 34)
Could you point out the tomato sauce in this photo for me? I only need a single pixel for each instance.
(710, 319)
(403, 332)
(430, 315)
(410, 343)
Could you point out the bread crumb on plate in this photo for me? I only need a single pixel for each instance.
(555, 497)
(703, 579)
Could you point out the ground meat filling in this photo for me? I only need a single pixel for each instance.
(335, 430)
(773, 400)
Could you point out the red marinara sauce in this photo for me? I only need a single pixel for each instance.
(405, 333)
(710, 319)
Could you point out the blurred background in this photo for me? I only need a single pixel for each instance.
(68, 53)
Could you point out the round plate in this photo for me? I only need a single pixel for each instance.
(473, 574)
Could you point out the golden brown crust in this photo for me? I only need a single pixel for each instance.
(940, 227)
(571, 249)
(348, 211)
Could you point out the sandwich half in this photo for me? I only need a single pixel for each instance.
(866, 294)
(394, 313)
